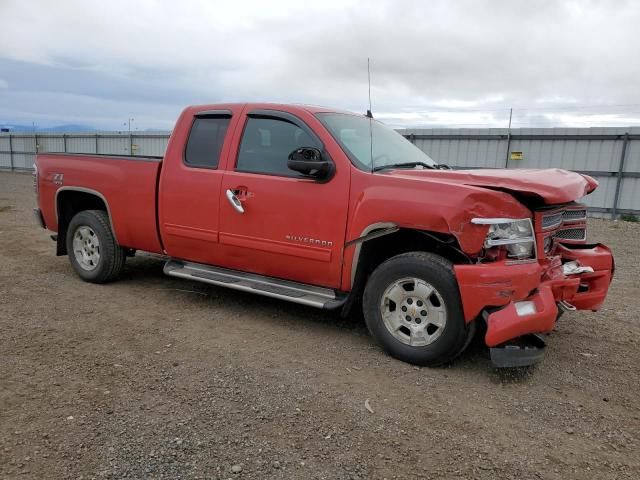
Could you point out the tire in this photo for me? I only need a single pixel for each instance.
(92, 248)
(431, 331)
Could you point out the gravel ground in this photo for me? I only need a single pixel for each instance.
(154, 377)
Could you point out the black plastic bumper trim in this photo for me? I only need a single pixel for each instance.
(521, 352)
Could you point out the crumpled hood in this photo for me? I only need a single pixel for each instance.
(552, 185)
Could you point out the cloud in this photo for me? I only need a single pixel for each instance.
(459, 62)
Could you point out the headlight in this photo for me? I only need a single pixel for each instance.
(515, 235)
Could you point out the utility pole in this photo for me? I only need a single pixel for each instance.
(130, 137)
(506, 160)
(35, 138)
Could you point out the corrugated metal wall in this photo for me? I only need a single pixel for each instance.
(18, 150)
(595, 151)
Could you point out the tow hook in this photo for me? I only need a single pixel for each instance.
(566, 306)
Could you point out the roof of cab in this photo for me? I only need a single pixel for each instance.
(287, 107)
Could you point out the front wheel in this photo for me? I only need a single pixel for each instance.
(93, 251)
(412, 308)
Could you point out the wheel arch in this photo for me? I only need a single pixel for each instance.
(69, 201)
(381, 241)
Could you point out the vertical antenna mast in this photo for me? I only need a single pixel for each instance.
(369, 114)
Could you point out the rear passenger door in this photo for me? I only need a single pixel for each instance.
(190, 187)
(288, 226)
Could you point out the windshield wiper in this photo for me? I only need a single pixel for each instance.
(403, 165)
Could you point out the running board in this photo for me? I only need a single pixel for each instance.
(248, 282)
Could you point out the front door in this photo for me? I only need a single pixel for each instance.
(284, 225)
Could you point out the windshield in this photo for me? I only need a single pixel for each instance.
(363, 138)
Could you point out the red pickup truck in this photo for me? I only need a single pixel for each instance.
(334, 210)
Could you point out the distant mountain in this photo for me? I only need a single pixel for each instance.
(57, 128)
(71, 128)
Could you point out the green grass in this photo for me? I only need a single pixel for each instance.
(629, 217)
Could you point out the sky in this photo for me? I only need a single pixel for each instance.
(453, 63)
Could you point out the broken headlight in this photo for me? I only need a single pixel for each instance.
(514, 235)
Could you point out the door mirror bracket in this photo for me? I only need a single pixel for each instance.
(310, 162)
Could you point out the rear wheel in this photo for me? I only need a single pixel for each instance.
(93, 251)
(412, 308)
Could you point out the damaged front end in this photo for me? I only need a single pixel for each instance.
(528, 274)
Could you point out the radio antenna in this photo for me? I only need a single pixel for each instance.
(369, 114)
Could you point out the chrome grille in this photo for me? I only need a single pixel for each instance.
(553, 220)
(572, 234)
(574, 215)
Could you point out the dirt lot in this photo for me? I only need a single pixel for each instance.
(153, 377)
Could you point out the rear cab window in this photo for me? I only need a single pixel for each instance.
(205, 141)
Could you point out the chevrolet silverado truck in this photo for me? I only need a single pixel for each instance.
(334, 210)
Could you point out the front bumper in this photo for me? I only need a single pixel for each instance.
(521, 298)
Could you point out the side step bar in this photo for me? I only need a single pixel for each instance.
(302, 293)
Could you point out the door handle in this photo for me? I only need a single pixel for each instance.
(235, 201)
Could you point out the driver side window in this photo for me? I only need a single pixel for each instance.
(266, 145)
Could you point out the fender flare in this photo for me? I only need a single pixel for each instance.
(91, 192)
(372, 231)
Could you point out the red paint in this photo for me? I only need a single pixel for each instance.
(551, 184)
(495, 284)
(196, 222)
(189, 198)
(505, 324)
(128, 186)
(501, 285)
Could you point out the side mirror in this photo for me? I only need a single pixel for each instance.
(310, 162)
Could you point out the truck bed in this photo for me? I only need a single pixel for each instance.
(127, 184)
